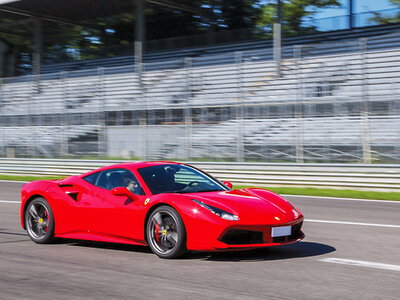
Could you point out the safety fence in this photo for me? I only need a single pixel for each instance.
(343, 176)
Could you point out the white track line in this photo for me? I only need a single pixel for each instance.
(352, 223)
(344, 199)
(306, 220)
(15, 181)
(361, 263)
(8, 201)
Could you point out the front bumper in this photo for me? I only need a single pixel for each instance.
(242, 237)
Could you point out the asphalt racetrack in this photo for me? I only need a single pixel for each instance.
(351, 251)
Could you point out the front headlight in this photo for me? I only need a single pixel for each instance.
(217, 211)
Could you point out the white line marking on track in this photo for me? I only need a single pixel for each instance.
(352, 223)
(361, 263)
(344, 199)
(306, 220)
(8, 201)
(15, 181)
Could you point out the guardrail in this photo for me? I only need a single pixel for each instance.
(360, 176)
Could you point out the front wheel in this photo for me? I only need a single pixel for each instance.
(39, 221)
(166, 234)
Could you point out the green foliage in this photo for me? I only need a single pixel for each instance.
(28, 178)
(280, 190)
(335, 193)
(293, 14)
(113, 35)
(381, 19)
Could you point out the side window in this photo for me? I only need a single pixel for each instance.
(113, 178)
(92, 178)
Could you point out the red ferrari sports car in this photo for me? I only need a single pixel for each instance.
(171, 207)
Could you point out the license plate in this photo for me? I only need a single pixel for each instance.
(281, 231)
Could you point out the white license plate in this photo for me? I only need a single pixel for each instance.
(281, 231)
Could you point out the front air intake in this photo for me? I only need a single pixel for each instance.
(242, 237)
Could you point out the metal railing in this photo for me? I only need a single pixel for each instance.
(344, 176)
(335, 102)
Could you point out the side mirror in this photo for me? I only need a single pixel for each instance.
(228, 184)
(123, 191)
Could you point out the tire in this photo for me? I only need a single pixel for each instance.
(165, 232)
(39, 221)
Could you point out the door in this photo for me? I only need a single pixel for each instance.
(113, 216)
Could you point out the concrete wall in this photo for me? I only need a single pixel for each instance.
(130, 141)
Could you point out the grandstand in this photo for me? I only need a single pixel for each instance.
(334, 101)
(48, 140)
(264, 47)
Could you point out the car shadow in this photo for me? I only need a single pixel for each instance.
(297, 250)
(104, 245)
(12, 233)
(8, 237)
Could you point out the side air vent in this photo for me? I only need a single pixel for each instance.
(70, 191)
(62, 185)
(74, 196)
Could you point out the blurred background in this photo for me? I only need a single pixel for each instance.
(239, 80)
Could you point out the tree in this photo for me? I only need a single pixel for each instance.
(107, 36)
(294, 12)
(162, 23)
(381, 19)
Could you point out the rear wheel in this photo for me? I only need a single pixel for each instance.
(166, 234)
(39, 221)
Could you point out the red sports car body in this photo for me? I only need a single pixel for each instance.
(169, 206)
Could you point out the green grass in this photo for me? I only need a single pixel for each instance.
(280, 190)
(28, 178)
(332, 193)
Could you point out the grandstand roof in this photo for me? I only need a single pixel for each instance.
(74, 12)
(77, 10)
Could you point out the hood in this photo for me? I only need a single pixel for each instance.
(253, 206)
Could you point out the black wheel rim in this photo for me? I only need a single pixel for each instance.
(163, 232)
(37, 221)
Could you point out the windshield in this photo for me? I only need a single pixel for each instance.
(178, 179)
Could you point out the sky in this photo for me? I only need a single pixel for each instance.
(360, 7)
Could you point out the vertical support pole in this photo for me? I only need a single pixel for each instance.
(278, 39)
(63, 116)
(144, 122)
(366, 135)
(32, 141)
(2, 132)
(396, 111)
(38, 45)
(239, 108)
(298, 109)
(139, 37)
(102, 113)
(36, 65)
(188, 110)
(143, 132)
(351, 14)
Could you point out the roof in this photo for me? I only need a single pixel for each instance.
(71, 10)
(131, 166)
(76, 11)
